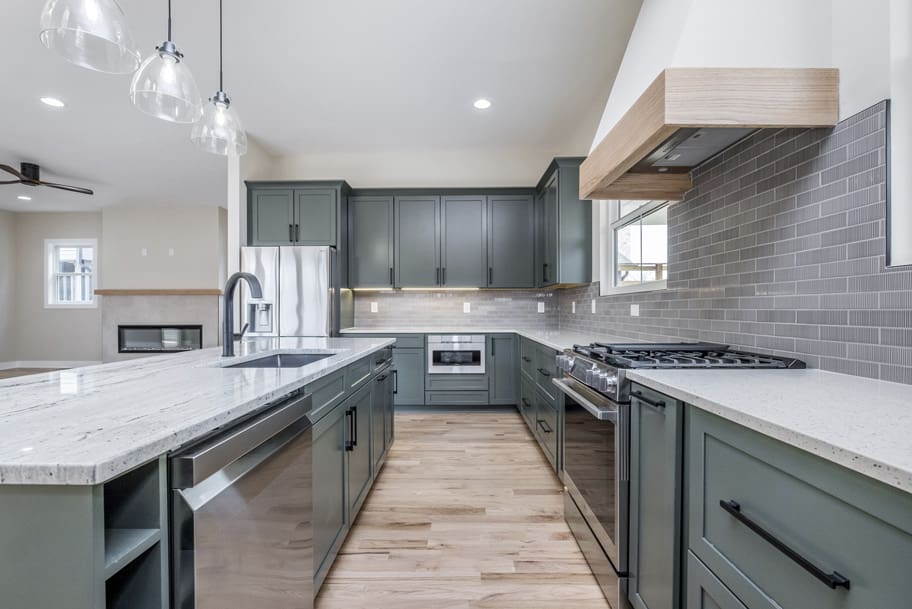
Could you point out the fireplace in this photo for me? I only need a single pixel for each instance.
(159, 339)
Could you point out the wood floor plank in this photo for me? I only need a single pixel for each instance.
(466, 514)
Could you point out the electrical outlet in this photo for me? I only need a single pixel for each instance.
(634, 310)
(541, 307)
(593, 306)
(144, 252)
(573, 307)
(374, 307)
(467, 307)
(171, 251)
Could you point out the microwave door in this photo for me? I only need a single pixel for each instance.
(304, 293)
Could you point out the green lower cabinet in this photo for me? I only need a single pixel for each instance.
(705, 591)
(526, 403)
(782, 528)
(547, 428)
(358, 447)
(408, 376)
(330, 505)
(656, 432)
(503, 373)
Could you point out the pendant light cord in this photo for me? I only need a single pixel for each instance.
(169, 20)
(221, 83)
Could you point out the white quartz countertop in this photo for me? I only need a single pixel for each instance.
(862, 424)
(556, 339)
(88, 425)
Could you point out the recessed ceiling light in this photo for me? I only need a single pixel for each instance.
(482, 104)
(24, 198)
(52, 102)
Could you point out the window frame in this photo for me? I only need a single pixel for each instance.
(608, 225)
(50, 273)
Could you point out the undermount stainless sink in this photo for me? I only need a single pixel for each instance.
(283, 360)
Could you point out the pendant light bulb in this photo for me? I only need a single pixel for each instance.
(164, 86)
(220, 131)
(92, 34)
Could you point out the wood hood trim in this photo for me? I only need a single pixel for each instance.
(683, 98)
(174, 292)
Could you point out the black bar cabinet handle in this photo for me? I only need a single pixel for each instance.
(545, 271)
(833, 580)
(492, 347)
(382, 378)
(545, 427)
(395, 382)
(654, 403)
(490, 274)
(297, 232)
(526, 359)
(544, 372)
(349, 445)
(391, 275)
(291, 232)
(443, 278)
(354, 425)
(438, 276)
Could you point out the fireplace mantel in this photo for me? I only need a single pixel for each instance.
(174, 292)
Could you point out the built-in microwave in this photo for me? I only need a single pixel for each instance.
(456, 354)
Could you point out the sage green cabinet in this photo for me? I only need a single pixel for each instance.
(417, 243)
(331, 512)
(564, 241)
(370, 228)
(503, 372)
(408, 380)
(511, 239)
(545, 362)
(358, 447)
(316, 216)
(464, 256)
(297, 213)
(656, 431)
(382, 417)
(271, 216)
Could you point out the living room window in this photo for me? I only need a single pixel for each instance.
(635, 246)
(70, 273)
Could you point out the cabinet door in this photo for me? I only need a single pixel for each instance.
(271, 217)
(360, 463)
(655, 487)
(315, 216)
(546, 370)
(550, 230)
(371, 242)
(418, 241)
(408, 378)
(510, 241)
(464, 258)
(540, 268)
(705, 591)
(503, 370)
(389, 413)
(330, 508)
(379, 406)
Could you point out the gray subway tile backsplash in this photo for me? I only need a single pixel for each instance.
(778, 248)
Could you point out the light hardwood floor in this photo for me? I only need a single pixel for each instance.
(465, 514)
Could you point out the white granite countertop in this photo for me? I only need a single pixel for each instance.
(556, 339)
(88, 425)
(862, 424)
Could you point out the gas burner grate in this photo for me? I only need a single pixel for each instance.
(681, 355)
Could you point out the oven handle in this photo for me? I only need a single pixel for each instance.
(602, 414)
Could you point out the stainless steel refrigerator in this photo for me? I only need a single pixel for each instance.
(302, 295)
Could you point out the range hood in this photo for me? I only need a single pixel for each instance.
(687, 115)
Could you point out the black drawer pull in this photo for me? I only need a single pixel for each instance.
(395, 382)
(655, 404)
(382, 378)
(526, 359)
(544, 425)
(544, 372)
(833, 580)
(349, 443)
(525, 402)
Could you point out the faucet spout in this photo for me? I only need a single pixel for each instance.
(256, 290)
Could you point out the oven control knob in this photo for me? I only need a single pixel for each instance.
(606, 382)
(592, 376)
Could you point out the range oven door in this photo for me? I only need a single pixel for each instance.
(597, 477)
(456, 355)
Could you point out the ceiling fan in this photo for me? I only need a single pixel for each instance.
(30, 175)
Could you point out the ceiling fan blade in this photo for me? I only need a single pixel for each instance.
(12, 171)
(84, 191)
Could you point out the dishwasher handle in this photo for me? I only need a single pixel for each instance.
(201, 460)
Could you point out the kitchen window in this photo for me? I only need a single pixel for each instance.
(634, 246)
(71, 269)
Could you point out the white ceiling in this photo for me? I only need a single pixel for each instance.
(311, 77)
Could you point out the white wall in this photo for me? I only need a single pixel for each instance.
(7, 285)
(63, 335)
(162, 247)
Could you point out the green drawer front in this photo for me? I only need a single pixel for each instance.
(527, 358)
(545, 371)
(546, 428)
(357, 373)
(456, 382)
(456, 398)
(705, 591)
(326, 393)
(838, 520)
(527, 402)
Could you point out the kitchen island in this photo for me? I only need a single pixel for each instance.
(84, 483)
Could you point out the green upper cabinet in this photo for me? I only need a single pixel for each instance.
(297, 213)
(271, 217)
(417, 260)
(563, 242)
(370, 222)
(463, 243)
(315, 217)
(511, 233)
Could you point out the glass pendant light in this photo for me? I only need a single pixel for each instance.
(220, 130)
(164, 87)
(90, 33)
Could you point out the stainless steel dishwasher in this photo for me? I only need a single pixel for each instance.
(241, 514)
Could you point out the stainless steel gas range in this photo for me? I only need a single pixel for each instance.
(597, 440)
